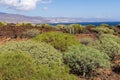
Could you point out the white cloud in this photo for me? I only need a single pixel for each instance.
(22, 4)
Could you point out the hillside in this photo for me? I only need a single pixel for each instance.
(15, 18)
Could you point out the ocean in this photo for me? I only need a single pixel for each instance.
(87, 23)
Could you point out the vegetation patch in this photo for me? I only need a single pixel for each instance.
(83, 60)
(41, 52)
(21, 66)
(109, 44)
(58, 40)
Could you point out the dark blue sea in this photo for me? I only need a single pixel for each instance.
(87, 23)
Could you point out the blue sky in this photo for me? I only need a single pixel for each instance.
(66, 8)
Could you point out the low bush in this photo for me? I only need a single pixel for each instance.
(86, 41)
(28, 24)
(31, 33)
(110, 37)
(101, 30)
(18, 24)
(41, 52)
(56, 73)
(21, 66)
(58, 40)
(46, 26)
(2, 24)
(17, 66)
(83, 60)
(109, 44)
(60, 26)
(104, 25)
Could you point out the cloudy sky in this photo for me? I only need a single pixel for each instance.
(63, 8)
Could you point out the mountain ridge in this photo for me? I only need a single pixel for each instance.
(18, 18)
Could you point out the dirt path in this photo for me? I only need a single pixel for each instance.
(4, 40)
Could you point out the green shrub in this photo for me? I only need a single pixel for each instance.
(17, 66)
(58, 40)
(25, 24)
(21, 66)
(44, 25)
(103, 30)
(110, 37)
(83, 60)
(47, 26)
(86, 41)
(3, 24)
(104, 25)
(60, 26)
(28, 24)
(41, 52)
(31, 33)
(108, 43)
(18, 24)
(56, 73)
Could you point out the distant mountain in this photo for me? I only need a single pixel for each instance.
(16, 18)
